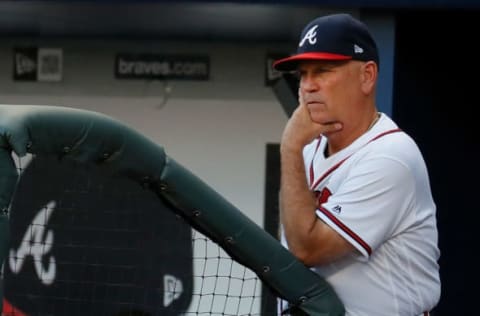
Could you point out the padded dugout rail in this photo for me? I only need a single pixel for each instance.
(93, 138)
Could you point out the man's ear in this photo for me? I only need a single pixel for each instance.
(369, 76)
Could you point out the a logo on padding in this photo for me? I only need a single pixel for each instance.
(37, 242)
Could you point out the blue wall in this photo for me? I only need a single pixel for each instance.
(383, 30)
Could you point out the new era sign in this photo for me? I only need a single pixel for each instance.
(37, 64)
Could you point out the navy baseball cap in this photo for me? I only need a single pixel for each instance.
(332, 37)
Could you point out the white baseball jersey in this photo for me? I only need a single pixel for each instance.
(376, 194)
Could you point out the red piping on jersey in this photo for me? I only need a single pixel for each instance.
(329, 171)
(346, 229)
(311, 173)
(9, 310)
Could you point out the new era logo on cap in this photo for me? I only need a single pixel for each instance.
(332, 37)
(357, 49)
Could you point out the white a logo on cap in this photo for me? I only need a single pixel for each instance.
(310, 36)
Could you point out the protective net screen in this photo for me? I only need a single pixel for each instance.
(83, 242)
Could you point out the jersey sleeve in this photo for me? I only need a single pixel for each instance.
(369, 202)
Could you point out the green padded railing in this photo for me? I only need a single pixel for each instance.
(93, 138)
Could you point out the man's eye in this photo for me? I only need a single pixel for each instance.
(322, 70)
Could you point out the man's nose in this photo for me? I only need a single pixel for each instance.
(307, 84)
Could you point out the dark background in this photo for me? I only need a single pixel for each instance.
(435, 100)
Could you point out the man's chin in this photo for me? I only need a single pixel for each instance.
(323, 121)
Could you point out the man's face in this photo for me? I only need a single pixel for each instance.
(328, 88)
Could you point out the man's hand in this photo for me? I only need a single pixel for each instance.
(301, 130)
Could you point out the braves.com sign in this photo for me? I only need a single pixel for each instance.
(153, 66)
